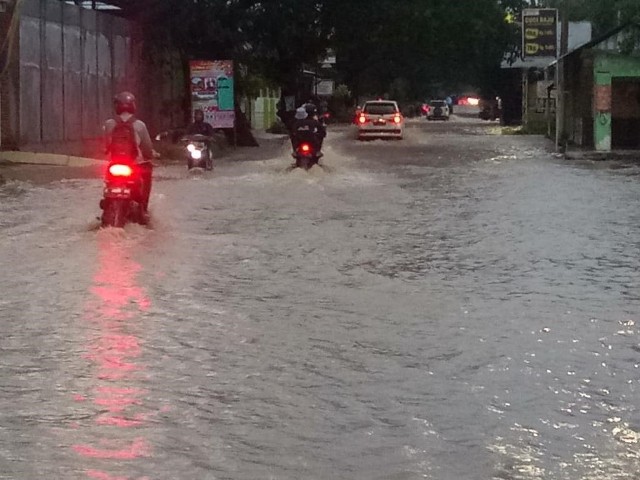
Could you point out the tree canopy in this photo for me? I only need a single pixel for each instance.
(416, 44)
(408, 47)
(604, 14)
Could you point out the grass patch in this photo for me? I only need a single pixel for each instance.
(519, 130)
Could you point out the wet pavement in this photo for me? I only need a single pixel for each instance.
(456, 305)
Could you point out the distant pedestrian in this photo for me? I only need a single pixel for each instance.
(449, 101)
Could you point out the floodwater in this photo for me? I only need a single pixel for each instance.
(456, 305)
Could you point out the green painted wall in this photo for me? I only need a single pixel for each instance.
(617, 65)
(605, 67)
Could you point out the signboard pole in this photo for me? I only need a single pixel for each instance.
(540, 40)
(559, 96)
(235, 133)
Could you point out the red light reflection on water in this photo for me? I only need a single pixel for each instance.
(113, 317)
(138, 448)
(105, 476)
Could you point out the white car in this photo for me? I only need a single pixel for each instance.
(438, 110)
(380, 119)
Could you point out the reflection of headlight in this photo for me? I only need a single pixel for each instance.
(191, 147)
(196, 154)
(474, 101)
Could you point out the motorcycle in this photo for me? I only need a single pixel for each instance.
(122, 193)
(198, 152)
(306, 156)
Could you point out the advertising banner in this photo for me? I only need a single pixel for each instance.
(540, 33)
(212, 91)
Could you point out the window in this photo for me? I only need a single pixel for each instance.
(386, 108)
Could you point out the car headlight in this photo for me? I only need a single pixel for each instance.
(196, 154)
(191, 147)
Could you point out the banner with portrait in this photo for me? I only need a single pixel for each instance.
(212, 91)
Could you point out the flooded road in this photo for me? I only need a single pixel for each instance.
(457, 305)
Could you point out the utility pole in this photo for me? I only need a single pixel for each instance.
(559, 80)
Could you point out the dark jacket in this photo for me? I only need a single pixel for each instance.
(308, 130)
(200, 128)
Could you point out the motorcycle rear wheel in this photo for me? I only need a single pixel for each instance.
(115, 213)
(304, 163)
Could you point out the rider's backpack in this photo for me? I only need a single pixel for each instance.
(123, 140)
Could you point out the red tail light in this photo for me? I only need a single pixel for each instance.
(305, 148)
(362, 119)
(119, 170)
(397, 119)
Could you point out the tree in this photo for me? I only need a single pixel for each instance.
(604, 14)
(411, 46)
(272, 38)
(424, 42)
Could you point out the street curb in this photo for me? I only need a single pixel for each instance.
(628, 155)
(49, 159)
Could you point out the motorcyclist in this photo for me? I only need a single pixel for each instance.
(321, 108)
(125, 108)
(199, 126)
(307, 127)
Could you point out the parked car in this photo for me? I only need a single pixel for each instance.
(380, 119)
(438, 110)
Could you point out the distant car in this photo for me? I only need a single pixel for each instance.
(380, 119)
(438, 110)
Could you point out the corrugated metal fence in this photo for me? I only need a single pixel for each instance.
(71, 61)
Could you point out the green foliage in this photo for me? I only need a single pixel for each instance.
(278, 128)
(401, 47)
(273, 39)
(424, 42)
(251, 84)
(604, 14)
(342, 93)
(340, 104)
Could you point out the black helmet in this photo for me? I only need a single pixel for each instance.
(311, 109)
(124, 102)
